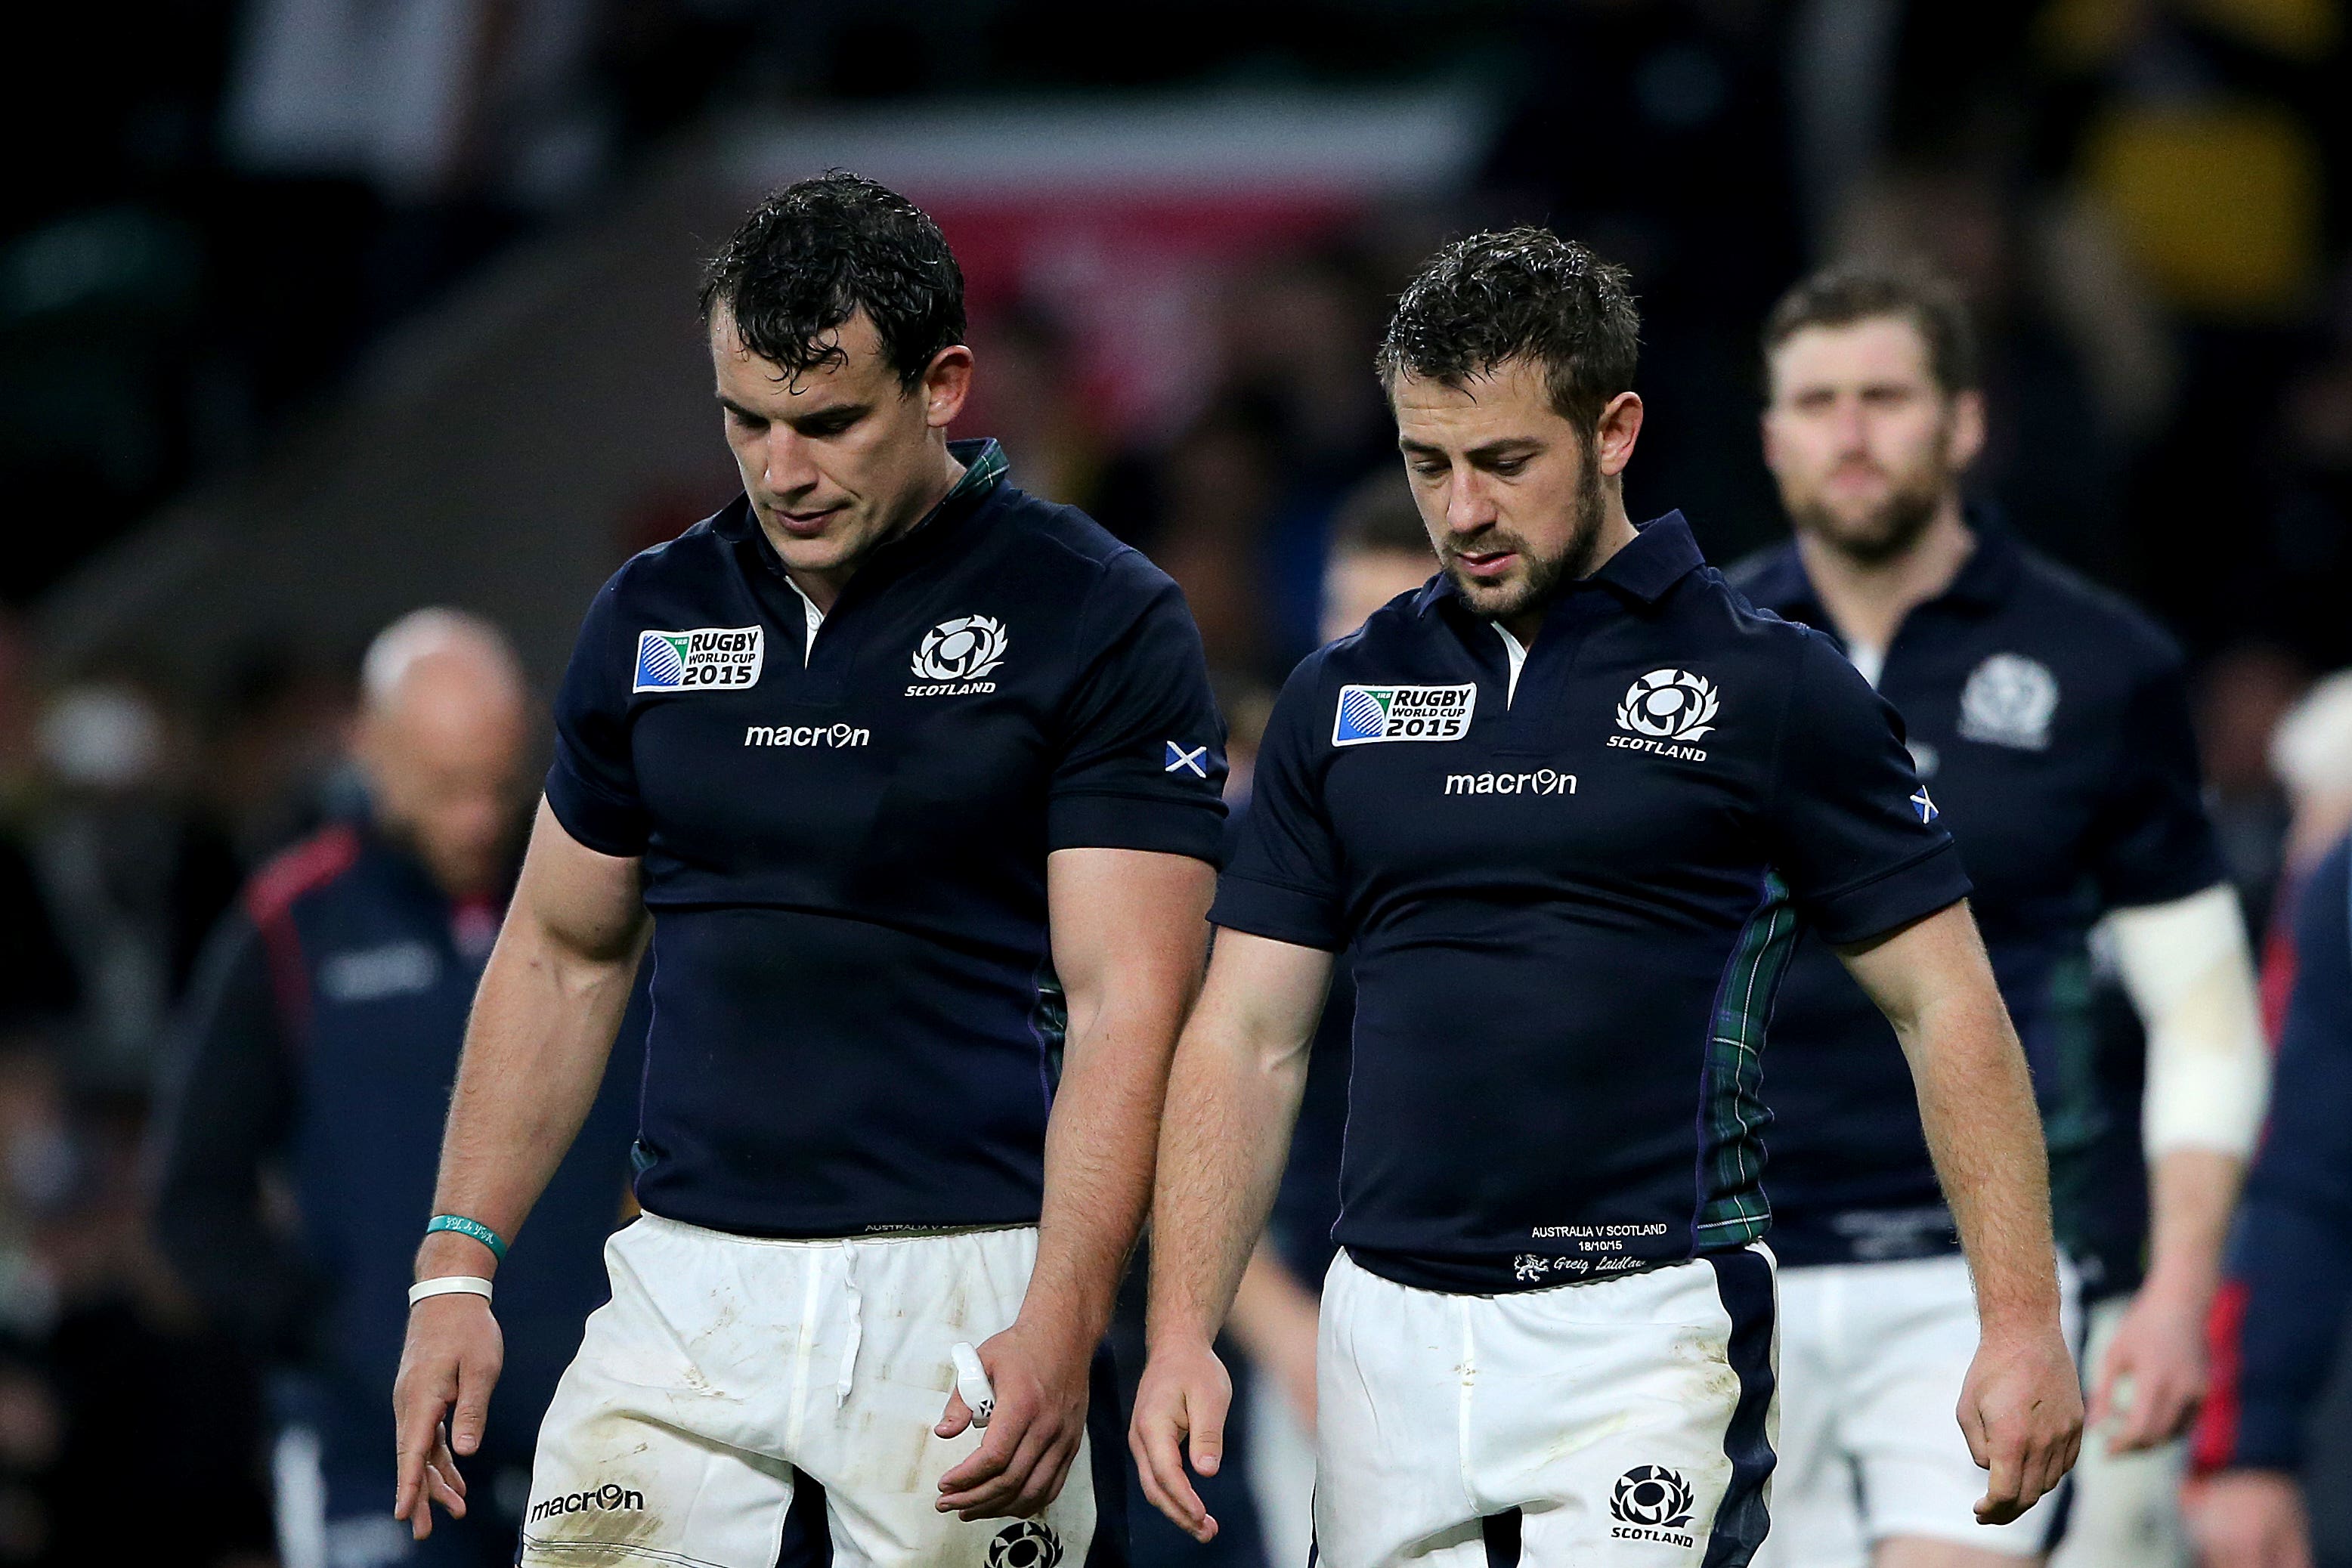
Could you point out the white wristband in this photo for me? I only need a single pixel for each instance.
(449, 1285)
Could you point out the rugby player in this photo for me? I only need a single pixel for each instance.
(2050, 720)
(913, 783)
(1568, 806)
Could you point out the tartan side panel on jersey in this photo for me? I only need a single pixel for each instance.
(1732, 1210)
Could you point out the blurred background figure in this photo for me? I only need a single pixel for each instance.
(133, 874)
(296, 1143)
(2310, 753)
(2277, 1431)
(2287, 1296)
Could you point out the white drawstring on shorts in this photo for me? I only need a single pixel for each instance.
(856, 1327)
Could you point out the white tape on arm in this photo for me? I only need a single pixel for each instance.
(972, 1382)
(449, 1285)
(2191, 978)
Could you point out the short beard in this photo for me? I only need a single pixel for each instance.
(1889, 530)
(1541, 579)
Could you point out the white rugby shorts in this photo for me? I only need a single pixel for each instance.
(1872, 1359)
(728, 1369)
(1626, 1420)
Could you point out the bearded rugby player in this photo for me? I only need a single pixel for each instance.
(2051, 720)
(1568, 807)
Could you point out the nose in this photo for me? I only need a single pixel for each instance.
(1468, 507)
(1852, 429)
(791, 469)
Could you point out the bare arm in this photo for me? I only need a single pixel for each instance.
(1129, 929)
(536, 1045)
(2021, 1409)
(1232, 1095)
(541, 1030)
(2190, 975)
(1274, 1319)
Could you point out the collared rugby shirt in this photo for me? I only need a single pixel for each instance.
(1569, 886)
(845, 821)
(2051, 721)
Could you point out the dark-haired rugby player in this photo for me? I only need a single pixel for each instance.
(2051, 720)
(1569, 806)
(912, 780)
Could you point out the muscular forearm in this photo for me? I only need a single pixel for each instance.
(1099, 1155)
(536, 1045)
(1230, 1109)
(1976, 1102)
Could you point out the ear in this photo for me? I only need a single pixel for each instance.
(1619, 427)
(1967, 437)
(947, 381)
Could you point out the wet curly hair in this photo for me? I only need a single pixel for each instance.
(1523, 294)
(822, 249)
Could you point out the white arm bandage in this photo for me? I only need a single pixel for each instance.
(2191, 977)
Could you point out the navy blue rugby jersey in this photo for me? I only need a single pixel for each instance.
(844, 826)
(2051, 721)
(1569, 898)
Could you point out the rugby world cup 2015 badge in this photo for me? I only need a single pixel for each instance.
(1368, 714)
(714, 658)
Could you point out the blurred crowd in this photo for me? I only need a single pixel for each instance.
(2147, 202)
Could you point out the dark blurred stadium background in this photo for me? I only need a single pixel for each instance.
(312, 311)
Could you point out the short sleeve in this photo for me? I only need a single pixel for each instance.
(1284, 883)
(1852, 831)
(1141, 762)
(2156, 843)
(592, 786)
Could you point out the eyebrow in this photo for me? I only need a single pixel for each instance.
(1509, 445)
(845, 413)
(1865, 386)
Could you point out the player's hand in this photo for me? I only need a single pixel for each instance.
(1040, 1383)
(451, 1358)
(1185, 1392)
(2021, 1413)
(2153, 1378)
(2249, 1518)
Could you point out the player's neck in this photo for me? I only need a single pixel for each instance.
(1867, 600)
(822, 588)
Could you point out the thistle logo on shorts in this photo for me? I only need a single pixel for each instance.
(1025, 1543)
(714, 658)
(1368, 714)
(954, 654)
(1663, 709)
(2009, 701)
(1651, 1503)
(610, 1498)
